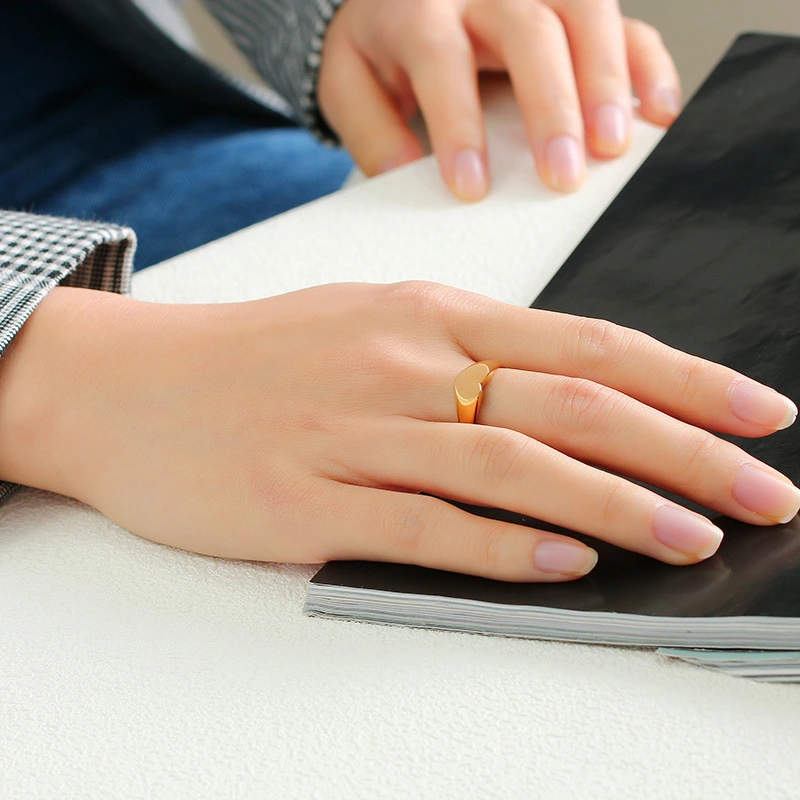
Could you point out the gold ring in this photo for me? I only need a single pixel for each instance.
(469, 385)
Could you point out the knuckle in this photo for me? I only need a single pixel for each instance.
(422, 300)
(379, 357)
(281, 495)
(498, 457)
(402, 527)
(581, 406)
(530, 15)
(616, 502)
(434, 41)
(597, 343)
(699, 451)
(489, 549)
(600, 7)
(643, 32)
(691, 376)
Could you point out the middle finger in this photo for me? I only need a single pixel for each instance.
(597, 40)
(601, 426)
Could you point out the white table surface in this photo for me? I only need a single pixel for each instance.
(131, 670)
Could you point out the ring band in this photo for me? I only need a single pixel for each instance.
(469, 385)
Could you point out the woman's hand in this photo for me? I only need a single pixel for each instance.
(571, 63)
(303, 428)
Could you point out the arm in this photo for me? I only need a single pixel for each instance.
(320, 425)
(572, 63)
(37, 254)
(283, 40)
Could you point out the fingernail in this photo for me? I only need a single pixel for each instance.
(611, 126)
(668, 100)
(470, 175)
(772, 497)
(564, 558)
(565, 162)
(752, 402)
(686, 532)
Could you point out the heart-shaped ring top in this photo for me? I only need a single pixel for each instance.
(469, 385)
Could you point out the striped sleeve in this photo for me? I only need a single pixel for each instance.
(283, 40)
(39, 252)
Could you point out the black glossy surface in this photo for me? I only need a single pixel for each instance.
(702, 250)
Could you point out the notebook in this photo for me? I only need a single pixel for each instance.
(701, 249)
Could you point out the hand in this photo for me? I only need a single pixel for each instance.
(303, 427)
(571, 63)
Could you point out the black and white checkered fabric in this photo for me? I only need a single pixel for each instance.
(283, 40)
(39, 252)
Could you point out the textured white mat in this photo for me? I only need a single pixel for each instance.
(130, 670)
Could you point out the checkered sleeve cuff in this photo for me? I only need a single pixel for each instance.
(39, 252)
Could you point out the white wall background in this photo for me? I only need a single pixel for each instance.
(696, 31)
(699, 31)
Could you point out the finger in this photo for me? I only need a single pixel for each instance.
(595, 424)
(597, 41)
(361, 112)
(437, 55)
(653, 73)
(697, 391)
(531, 42)
(505, 469)
(382, 525)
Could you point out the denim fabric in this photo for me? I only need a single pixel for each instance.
(83, 135)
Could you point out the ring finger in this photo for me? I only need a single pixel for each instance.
(599, 425)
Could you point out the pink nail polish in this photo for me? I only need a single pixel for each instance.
(564, 558)
(565, 162)
(772, 497)
(470, 175)
(752, 402)
(611, 125)
(685, 532)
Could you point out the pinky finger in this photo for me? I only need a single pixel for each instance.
(384, 525)
(653, 73)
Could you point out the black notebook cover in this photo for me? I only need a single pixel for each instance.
(701, 249)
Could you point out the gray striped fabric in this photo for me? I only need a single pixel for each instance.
(283, 39)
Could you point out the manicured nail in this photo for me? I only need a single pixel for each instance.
(686, 532)
(752, 402)
(565, 163)
(564, 558)
(668, 100)
(611, 126)
(772, 497)
(470, 175)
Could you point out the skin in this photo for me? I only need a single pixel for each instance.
(302, 427)
(322, 425)
(572, 64)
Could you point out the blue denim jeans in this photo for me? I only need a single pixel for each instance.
(83, 135)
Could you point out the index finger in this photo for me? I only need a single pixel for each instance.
(693, 389)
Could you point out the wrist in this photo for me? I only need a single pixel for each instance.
(47, 374)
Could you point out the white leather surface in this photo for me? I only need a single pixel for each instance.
(131, 670)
